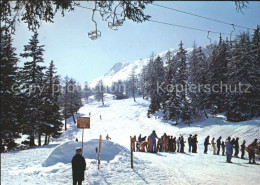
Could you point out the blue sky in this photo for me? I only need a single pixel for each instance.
(74, 54)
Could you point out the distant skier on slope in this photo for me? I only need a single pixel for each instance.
(213, 144)
(218, 144)
(174, 144)
(229, 150)
(236, 147)
(108, 138)
(206, 143)
(251, 151)
(243, 147)
(78, 167)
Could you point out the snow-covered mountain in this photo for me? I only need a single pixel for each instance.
(121, 71)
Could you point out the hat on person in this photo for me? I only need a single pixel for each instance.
(78, 148)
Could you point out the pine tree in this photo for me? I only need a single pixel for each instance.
(52, 113)
(133, 83)
(156, 77)
(198, 77)
(242, 70)
(181, 76)
(87, 91)
(100, 91)
(32, 78)
(9, 109)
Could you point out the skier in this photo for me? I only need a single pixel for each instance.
(108, 138)
(149, 144)
(165, 142)
(153, 137)
(223, 148)
(174, 144)
(159, 146)
(206, 143)
(182, 144)
(243, 147)
(194, 143)
(213, 144)
(190, 142)
(236, 147)
(233, 144)
(229, 150)
(100, 117)
(251, 151)
(178, 144)
(76, 140)
(218, 144)
(138, 143)
(78, 167)
(169, 143)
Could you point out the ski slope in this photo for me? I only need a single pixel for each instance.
(121, 119)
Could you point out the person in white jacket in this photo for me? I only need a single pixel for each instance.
(178, 144)
(213, 144)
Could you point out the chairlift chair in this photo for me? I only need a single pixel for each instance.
(95, 34)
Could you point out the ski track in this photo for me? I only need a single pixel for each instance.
(122, 119)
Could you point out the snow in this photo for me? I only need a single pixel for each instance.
(64, 154)
(120, 120)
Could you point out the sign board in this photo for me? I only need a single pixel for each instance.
(83, 122)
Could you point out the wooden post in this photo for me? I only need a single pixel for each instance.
(82, 140)
(131, 148)
(99, 152)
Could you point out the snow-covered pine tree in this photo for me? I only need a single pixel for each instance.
(201, 78)
(100, 91)
(32, 79)
(218, 61)
(255, 95)
(8, 97)
(52, 113)
(133, 83)
(181, 77)
(156, 77)
(86, 91)
(242, 70)
(64, 100)
(169, 91)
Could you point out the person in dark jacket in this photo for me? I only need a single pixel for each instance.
(182, 145)
(236, 147)
(218, 144)
(194, 143)
(206, 143)
(190, 142)
(78, 167)
(223, 148)
(243, 147)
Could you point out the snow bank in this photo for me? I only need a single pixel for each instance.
(64, 153)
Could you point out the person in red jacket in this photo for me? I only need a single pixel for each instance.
(251, 151)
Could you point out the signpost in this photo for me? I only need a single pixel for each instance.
(83, 122)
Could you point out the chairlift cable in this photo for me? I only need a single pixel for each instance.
(192, 14)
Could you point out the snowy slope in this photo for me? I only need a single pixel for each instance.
(121, 119)
(121, 71)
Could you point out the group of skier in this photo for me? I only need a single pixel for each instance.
(230, 145)
(167, 143)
